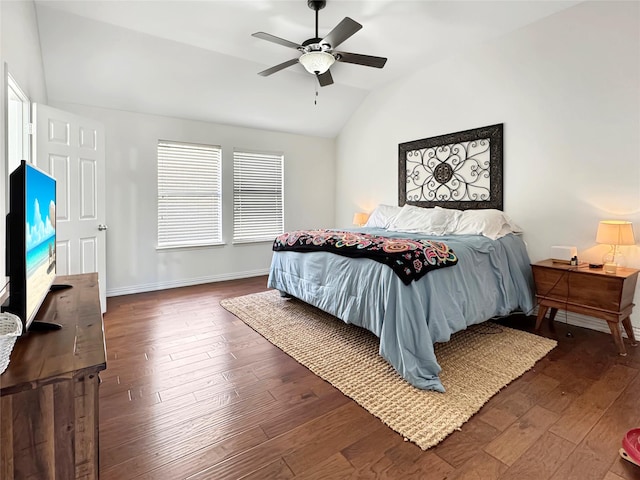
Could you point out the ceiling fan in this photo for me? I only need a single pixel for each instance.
(318, 54)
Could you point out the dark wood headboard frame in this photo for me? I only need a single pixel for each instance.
(450, 177)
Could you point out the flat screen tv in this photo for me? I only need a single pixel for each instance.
(31, 241)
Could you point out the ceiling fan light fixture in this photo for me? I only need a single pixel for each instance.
(317, 62)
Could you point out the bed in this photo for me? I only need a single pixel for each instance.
(450, 190)
(491, 278)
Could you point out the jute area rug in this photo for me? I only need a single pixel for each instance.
(476, 364)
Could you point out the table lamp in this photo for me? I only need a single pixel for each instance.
(614, 233)
(360, 218)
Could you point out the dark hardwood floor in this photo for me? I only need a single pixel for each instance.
(192, 392)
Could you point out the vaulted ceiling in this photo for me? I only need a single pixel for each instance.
(198, 60)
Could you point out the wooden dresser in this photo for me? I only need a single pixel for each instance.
(49, 392)
(588, 291)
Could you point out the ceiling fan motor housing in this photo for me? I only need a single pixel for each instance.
(314, 45)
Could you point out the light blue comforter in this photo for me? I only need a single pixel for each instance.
(492, 277)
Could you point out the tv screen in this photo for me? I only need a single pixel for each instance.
(31, 240)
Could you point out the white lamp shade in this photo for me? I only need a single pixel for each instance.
(316, 62)
(360, 218)
(615, 232)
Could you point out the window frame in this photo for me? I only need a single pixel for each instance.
(271, 155)
(216, 193)
(13, 88)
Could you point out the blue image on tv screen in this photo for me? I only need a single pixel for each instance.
(40, 235)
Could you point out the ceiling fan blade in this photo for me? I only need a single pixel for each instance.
(277, 68)
(272, 38)
(325, 78)
(341, 32)
(366, 60)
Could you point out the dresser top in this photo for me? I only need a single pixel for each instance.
(39, 358)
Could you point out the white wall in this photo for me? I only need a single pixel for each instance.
(567, 89)
(133, 263)
(20, 45)
(20, 51)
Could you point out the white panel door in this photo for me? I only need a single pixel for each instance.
(71, 149)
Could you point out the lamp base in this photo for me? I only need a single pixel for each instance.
(611, 268)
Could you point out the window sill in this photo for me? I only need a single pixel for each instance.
(257, 240)
(189, 247)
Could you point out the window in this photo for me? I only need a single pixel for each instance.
(258, 213)
(189, 194)
(17, 125)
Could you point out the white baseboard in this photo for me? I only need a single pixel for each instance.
(152, 287)
(588, 322)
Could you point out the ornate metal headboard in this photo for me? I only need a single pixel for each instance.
(460, 170)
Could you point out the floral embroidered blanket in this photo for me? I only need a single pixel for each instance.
(410, 259)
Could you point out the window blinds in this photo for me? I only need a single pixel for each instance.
(189, 194)
(258, 212)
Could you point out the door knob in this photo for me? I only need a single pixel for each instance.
(102, 227)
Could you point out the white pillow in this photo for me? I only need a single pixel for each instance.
(427, 221)
(491, 223)
(382, 216)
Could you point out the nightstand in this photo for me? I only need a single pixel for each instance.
(588, 291)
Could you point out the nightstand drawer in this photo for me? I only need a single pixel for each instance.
(573, 286)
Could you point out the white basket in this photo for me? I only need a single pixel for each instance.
(10, 329)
